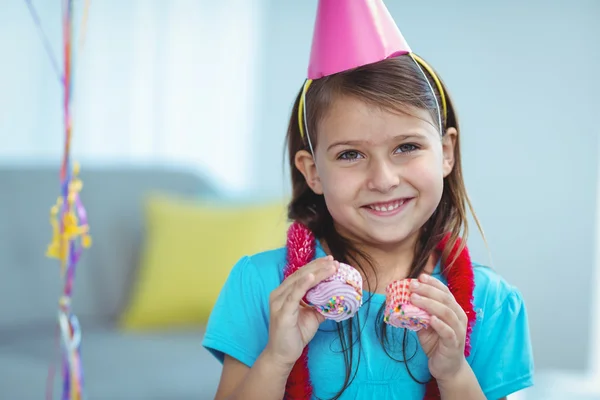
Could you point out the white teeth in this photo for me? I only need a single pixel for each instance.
(390, 207)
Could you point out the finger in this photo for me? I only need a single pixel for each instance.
(447, 335)
(324, 271)
(319, 263)
(433, 288)
(294, 295)
(275, 302)
(440, 310)
(426, 289)
(319, 317)
(320, 268)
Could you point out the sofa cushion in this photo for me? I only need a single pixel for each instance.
(188, 252)
(113, 197)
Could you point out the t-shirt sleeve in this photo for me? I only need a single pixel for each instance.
(503, 360)
(238, 324)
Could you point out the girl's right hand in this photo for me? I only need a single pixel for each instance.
(292, 325)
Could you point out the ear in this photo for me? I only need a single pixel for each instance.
(448, 146)
(306, 165)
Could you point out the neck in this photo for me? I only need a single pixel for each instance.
(389, 261)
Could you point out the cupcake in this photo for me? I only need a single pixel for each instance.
(338, 297)
(399, 311)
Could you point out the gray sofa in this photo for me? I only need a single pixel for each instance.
(159, 365)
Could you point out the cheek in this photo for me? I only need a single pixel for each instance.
(339, 185)
(427, 176)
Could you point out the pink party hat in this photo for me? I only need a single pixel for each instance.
(352, 33)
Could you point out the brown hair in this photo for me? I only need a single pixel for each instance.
(396, 84)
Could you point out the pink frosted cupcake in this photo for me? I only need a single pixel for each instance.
(340, 296)
(399, 311)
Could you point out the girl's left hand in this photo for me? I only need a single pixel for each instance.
(444, 340)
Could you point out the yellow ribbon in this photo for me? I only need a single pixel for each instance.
(437, 81)
(301, 106)
(72, 228)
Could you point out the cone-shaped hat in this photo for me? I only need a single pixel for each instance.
(352, 33)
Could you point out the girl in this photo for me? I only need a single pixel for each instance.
(374, 151)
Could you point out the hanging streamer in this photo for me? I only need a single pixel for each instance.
(68, 217)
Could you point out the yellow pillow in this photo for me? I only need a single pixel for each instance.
(188, 252)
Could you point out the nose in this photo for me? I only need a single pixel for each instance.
(382, 176)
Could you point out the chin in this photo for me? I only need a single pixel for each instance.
(378, 236)
(385, 238)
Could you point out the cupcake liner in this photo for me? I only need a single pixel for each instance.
(338, 297)
(399, 311)
(398, 292)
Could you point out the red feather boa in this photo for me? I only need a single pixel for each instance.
(461, 282)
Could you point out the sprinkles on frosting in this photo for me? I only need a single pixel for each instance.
(340, 296)
(337, 304)
(401, 320)
(397, 297)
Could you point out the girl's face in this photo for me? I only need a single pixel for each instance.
(381, 173)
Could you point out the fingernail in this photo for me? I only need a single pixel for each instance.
(424, 277)
(415, 296)
(414, 284)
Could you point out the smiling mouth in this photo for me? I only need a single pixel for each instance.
(388, 206)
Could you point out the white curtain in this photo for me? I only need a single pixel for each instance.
(157, 82)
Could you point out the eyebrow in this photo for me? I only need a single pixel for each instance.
(357, 142)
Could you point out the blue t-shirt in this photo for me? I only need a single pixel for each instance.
(501, 354)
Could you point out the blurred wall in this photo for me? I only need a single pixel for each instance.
(524, 77)
(155, 82)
